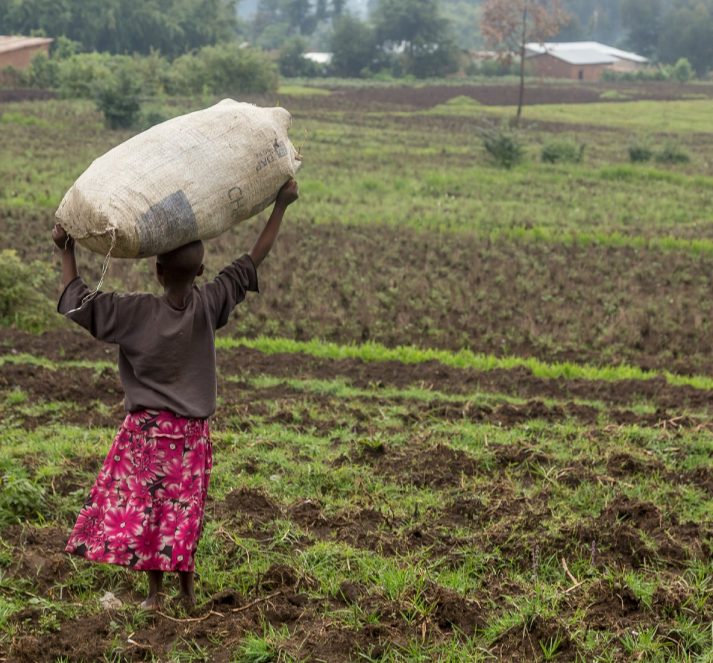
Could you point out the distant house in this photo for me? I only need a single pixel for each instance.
(580, 60)
(17, 52)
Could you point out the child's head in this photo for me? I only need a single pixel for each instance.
(181, 265)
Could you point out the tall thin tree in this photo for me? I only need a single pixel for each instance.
(509, 25)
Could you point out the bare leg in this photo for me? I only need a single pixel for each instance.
(153, 600)
(188, 593)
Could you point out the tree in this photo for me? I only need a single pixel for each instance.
(687, 32)
(353, 46)
(277, 20)
(125, 26)
(292, 61)
(417, 27)
(642, 19)
(511, 24)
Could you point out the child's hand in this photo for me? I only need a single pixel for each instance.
(63, 241)
(288, 193)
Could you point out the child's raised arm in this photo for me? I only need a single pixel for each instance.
(65, 244)
(288, 194)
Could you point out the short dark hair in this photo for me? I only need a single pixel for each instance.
(183, 262)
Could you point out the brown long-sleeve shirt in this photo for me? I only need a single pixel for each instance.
(166, 355)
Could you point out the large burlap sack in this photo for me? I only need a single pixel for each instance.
(189, 178)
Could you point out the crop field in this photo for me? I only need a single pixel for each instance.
(468, 418)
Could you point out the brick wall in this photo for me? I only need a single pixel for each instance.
(551, 67)
(20, 58)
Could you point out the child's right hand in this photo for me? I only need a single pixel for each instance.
(288, 193)
(62, 239)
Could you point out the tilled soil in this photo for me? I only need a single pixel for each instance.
(104, 386)
(502, 297)
(628, 535)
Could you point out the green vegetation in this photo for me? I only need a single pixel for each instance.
(124, 26)
(504, 146)
(467, 419)
(327, 537)
(562, 152)
(22, 302)
(690, 116)
(462, 359)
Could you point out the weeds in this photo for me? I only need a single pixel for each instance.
(562, 152)
(504, 146)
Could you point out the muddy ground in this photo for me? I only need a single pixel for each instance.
(629, 535)
(454, 291)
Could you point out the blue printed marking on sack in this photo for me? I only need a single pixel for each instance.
(280, 148)
(235, 195)
(270, 155)
(167, 225)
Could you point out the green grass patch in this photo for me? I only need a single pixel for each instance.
(462, 359)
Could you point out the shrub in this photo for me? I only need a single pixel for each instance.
(650, 74)
(43, 72)
(672, 153)
(503, 145)
(639, 153)
(151, 118)
(20, 499)
(682, 71)
(223, 69)
(562, 152)
(79, 75)
(118, 99)
(21, 303)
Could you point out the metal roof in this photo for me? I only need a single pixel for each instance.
(320, 57)
(16, 42)
(583, 52)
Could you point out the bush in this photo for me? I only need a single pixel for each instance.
(79, 75)
(639, 153)
(682, 71)
(20, 500)
(223, 69)
(42, 72)
(118, 99)
(671, 153)
(151, 118)
(504, 146)
(21, 303)
(650, 74)
(562, 152)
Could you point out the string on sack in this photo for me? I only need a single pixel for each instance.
(105, 267)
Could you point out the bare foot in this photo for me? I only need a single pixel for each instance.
(187, 601)
(151, 603)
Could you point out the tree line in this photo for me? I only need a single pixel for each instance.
(172, 27)
(399, 37)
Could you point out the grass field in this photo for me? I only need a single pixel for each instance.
(468, 418)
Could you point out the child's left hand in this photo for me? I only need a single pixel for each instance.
(62, 239)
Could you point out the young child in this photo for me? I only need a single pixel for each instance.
(145, 510)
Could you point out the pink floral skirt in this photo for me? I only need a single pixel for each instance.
(145, 510)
